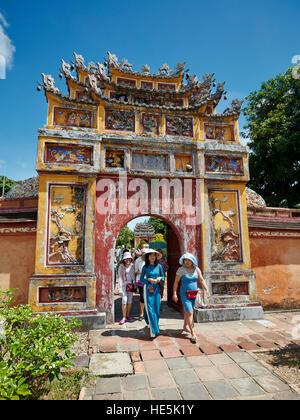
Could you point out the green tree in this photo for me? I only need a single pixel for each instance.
(125, 237)
(8, 184)
(273, 126)
(159, 226)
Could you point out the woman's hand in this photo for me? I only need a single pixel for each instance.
(175, 297)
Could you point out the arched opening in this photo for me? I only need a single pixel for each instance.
(154, 232)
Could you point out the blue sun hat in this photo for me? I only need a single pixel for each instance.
(188, 256)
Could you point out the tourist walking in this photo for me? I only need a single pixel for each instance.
(163, 262)
(139, 264)
(152, 275)
(191, 278)
(126, 283)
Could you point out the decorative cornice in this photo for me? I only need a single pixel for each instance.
(273, 234)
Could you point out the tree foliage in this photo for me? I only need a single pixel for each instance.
(273, 126)
(159, 226)
(8, 184)
(125, 237)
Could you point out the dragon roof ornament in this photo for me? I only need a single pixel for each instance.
(49, 83)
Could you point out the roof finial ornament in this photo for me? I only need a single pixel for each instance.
(165, 70)
(146, 69)
(79, 60)
(49, 83)
(125, 65)
(112, 60)
(66, 69)
(93, 83)
(101, 71)
(235, 108)
(179, 68)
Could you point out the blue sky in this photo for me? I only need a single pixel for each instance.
(243, 43)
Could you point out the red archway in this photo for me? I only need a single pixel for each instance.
(181, 237)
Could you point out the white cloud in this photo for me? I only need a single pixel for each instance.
(7, 48)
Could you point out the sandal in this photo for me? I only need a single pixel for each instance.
(129, 318)
(122, 321)
(194, 339)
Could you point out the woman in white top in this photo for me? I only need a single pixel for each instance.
(126, 281)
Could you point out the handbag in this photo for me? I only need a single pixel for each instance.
(191, 294)
(129, 287)
(200, 300)
(139, 284)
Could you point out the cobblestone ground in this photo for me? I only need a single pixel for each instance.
(222, 365)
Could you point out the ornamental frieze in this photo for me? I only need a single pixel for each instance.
(72, 117)
(221, 133)
(119, 120)
(68, 154)
(179, 126)
(222, 164)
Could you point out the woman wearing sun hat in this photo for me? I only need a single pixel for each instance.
(126, 281)
(190, 276)
(153, 278)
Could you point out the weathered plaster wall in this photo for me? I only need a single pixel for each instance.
(17, 255)
(276, 263)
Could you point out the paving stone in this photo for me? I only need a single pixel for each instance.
(286, 395)
(155, 365)
(248, 345)
(246, 386)
(108, 385)
(161, 380)
(142, 395)
(219, 359)
(220, 390)
(82, 361)
(165, 394)
(241, 357)
(111, 364)
(138, 367)
(210, 348)
(266, 344)
(106, 397)
(170, 351)
(190, 350)
(135, 356)
(271, 383)
(185, 376)
(194, 392)
(209, 373)
(135, 382)
(147, 345)
(198, 361)
(178, 363)
(229, 348)
(150, 354)
(254, 369)
(232, 371)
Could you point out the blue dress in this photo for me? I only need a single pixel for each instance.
(152, 300)
(188, 282)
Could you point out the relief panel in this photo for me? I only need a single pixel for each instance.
(183, 163)
(179, 126)
(150, 162)
(114, 158)
(221, 132)
(225, 226)
(223, 164)
(62, 294)
(66, 224)
(72, 117)
(150, 124)
(119, 120)
(68, 154)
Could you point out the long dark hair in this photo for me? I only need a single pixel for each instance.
(147, 262)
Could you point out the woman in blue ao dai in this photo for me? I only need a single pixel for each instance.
(152, 274)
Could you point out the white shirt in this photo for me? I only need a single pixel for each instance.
(138, 266)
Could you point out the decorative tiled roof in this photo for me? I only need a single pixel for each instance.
(27, 188)
(99, 79)
(144, 229)
(254, 199)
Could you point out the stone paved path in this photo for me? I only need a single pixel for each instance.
(222, 365)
